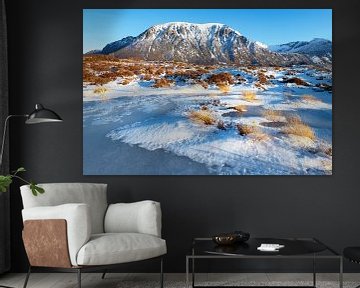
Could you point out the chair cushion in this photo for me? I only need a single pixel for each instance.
(114, 248)
(352, 253)
(138, 217)
(56, 194)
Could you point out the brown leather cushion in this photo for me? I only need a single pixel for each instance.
(46, 243)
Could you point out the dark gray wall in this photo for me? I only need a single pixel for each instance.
(45, 39)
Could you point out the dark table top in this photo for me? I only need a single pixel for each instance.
(293, 247)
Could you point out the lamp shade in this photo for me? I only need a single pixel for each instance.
(42, 115)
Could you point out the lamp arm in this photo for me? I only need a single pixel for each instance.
(4, 134)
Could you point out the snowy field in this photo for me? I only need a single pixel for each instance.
(247, 128)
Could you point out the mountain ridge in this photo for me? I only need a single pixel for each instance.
(208, 43)
(316, 47)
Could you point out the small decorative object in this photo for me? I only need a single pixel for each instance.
(270, 247)
(242, 236)
(6, 180)
(231, 238)
(225, 239)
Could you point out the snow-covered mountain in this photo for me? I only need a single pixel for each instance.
(117, 45)
(95, 51)
(210, 43)
(316, 47)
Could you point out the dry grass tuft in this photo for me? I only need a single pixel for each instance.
(328, 151)
(225, 88)
(325, 148)
(125, 81)
(204, 84)
(249, 96)
(252, 131)
(203, 116)
(162, 83)
(147, 77)
(221, 78)
(246, 129)
(297, 81)
(240, 108)
(310, 98)
(295, 126)
(102, 91)
(293, 119)
(273, 115)
(262, 78)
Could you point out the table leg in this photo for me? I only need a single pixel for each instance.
(193, 272)
(314, 271)
(187, 272)
(341, 273)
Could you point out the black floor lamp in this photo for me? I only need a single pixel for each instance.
(39, 115)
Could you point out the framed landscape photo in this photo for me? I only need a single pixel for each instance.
(207, 91)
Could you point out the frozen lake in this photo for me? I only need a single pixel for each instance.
(147, 131)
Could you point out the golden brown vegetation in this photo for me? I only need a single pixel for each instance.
(323, 147)
(125, 81)
(310, 98)
(221, 78)
(101, 69)
(252, 131)
(162, 82)
(101, 91)
(273, 115)
(147, 77)
(296, 81)
(293, 119)
(225, 88)
(249, 96)
(240, 108)
(203, 116)
(204, 84)
(246, 129)
(295, 126)
(263, 80)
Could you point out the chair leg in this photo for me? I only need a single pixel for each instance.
(161, 272)
(79, 277)
(103, 275)
(27, 277)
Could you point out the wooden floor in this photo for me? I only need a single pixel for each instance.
(114, 280)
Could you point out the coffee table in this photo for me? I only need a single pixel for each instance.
(295, 248)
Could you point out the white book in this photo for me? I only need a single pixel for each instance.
(270, 247)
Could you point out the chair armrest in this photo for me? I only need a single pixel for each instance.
(138, 217)
(78, 223)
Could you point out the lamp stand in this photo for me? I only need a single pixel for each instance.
(4, 135)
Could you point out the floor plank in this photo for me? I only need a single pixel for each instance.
(114, 280)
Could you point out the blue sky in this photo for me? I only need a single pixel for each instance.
(270, 26)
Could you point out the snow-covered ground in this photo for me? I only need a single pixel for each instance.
(139, 129)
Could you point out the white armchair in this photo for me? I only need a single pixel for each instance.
(72, 228)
